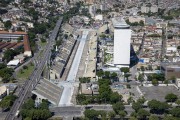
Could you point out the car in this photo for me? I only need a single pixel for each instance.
(88, 107)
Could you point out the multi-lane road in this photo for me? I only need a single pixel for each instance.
(36, 75)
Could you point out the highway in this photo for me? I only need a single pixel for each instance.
(29, 85)
(69, 88)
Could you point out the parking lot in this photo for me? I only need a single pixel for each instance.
(158, 92)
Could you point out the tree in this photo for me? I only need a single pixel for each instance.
(133, 118)
(141, 78)
(107, 74)
(169, 118)
(171, 97)
(2, 65)
(25, 67)
(84, 80)
(100, 73)
(80, 98)
(178, 102)
(127, 76)
(98, 11)
(20, 39)
(136, 106)
(142, 68)
(9, 55)
(29, 104)
(153, 117)
(122, 113)
(142, 114)
(7, 101)
(175, 112)
(124, 69)
(118, 107)
(43, 40)
(115, 97)
(44, 105)
(91, 114)
(113, 75)
(8, 24)
(157, 106)
(141, 23)
(155, 82)
(111, 114)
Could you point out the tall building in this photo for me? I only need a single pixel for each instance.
(122, 38)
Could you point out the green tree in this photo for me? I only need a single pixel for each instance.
(113, 75)
(20, 39)
(157, 106)
(133, 118)
(175, 112)
(25, 67)
(178, 102)
(136, 106)
(115, 97)
(2, 65)
(100, 73)
(91, 114)
(118, 107)
(28, 118)
(142, 68)
(142, 114)
(170, 118)
(8, 24)
(84, 80)
(29, 104)
(141, 78)
(80, 98)
(44, 105)
(7, 101)
(171, 97)
(111, 114)
(43, 40)
(107, 74)
(141, 23)
(124, 69)
(153, 117)
(122, 113)
(155, 82)
(9, 55)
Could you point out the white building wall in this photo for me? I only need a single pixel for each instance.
(122, 38)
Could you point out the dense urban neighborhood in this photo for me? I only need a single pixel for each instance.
(89, 60)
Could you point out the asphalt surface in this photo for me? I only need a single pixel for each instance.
(36, 75)
(78, 110)
(69, 88)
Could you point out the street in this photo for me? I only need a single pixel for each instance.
(29, 85)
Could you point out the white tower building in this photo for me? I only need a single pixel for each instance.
(122, 38)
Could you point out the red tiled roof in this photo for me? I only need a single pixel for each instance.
(17, 45)
(16, 32)
(10, 45)
(4, 45)
(26, 43)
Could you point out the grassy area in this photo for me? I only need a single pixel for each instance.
(42, 44)
(23, 74)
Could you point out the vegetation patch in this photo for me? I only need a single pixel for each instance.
(25, 72)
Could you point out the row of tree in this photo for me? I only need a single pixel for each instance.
(32, 112)
(7, 102)
(105, 94)
(6, 73)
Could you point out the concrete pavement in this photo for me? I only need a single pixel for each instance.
(69, 88)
